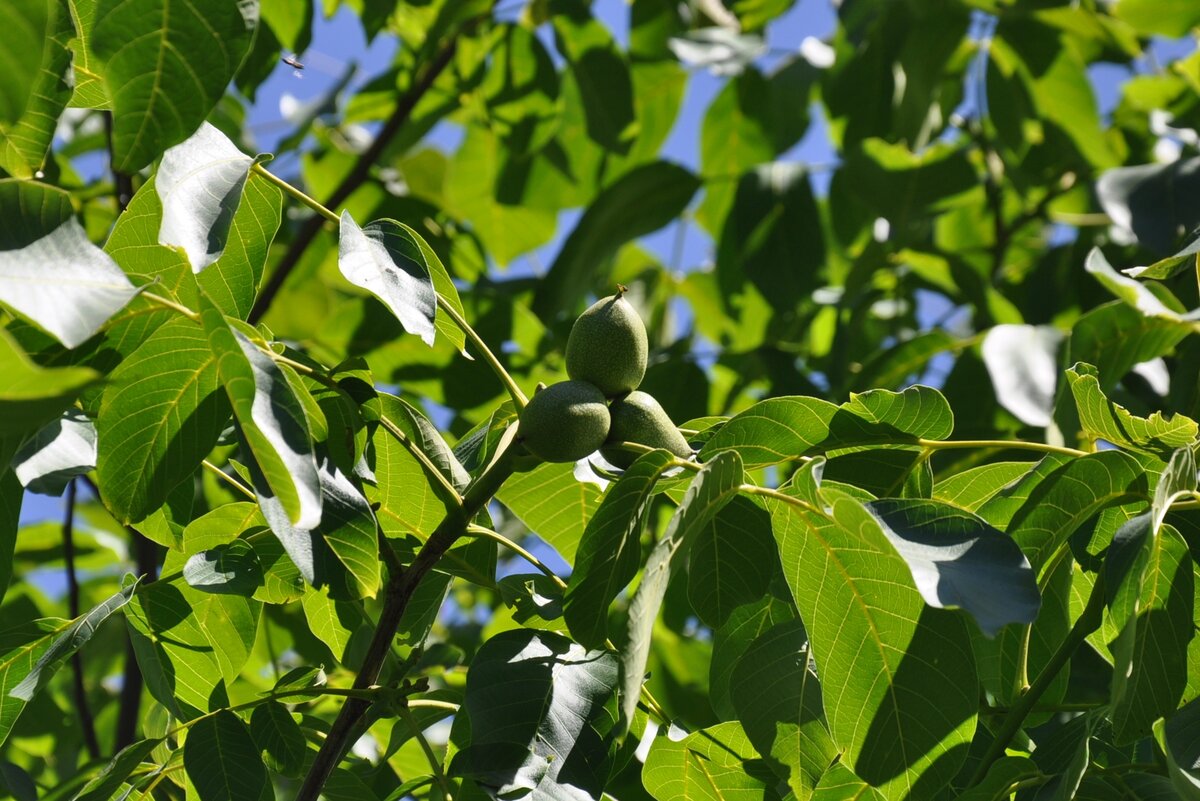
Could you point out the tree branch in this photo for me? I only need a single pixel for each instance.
(399, 591)
(356, 177)
(86, 722)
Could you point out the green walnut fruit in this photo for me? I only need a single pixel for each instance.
(564, 422)
(639, 418)
(608, 347)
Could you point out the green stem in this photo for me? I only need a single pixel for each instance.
(228, 479)
(999, 444)
(307, 200)
(435, 764)
(518, 397)
(487, 533)
(1087, 622)
(167, 303)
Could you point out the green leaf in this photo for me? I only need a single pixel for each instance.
(160, 416)
(271, 420)
(780, 429)
(31, 396)
(56, 454)
(118, 770)
(553, 505)
(1103, 419)
(1167, 267)
(11, 494)
(335, 623)
(25, 140)
(610, 550)
(840, 784)
(200, 182)
(1172, 18)
(1179, 738)
(639, 203)
(902, 186)
(1001, 779)
(752, 120)
(601, 72)
(31, 654)
(278, 737)
(712, 764)
(148, 47)
(542, 711)
(232, 281)
(1053, 504)
(232, 568)
(972, 488)
(1064, 754)
(50, 272)
(341, 551)
(413, 422)
(30, 211)
(520, 91)
(471, 180)
(712, 488)
(1153, 606)
(30, 23)
(732, 561)
(90, 89)
(891, 653)
(959, 561)
(778, 700)
(1023, 364)
(773, 220)
(1114, 337)
(1132, 292)
(176, 657)
(386, 260)
(222, 761)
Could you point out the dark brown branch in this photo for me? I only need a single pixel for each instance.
(86, 722)
(122, 182)
(356, 177)
(398, 592)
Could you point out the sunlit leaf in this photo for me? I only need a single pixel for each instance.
(159, 418)
(52, 273)
(48, 461)
(200, 181)
(25, 139)
(147, 47)
(869, 627)
(31, 396)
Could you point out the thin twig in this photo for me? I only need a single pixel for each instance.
(86, 722)
(435, 764)
(518, 397)
(355, 178)
(487, 533)
(228, 479)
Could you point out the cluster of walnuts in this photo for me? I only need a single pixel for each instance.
(606, 360)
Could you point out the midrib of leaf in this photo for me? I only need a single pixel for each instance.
(875, 638)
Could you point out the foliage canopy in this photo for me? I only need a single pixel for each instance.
(940, 533)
